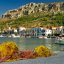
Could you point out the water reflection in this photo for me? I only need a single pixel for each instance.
(31, 43)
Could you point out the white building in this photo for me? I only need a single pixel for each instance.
(22, 31)
(48, 32)
(22, 28)
(15, 30)
(62, 30)
(36, 32)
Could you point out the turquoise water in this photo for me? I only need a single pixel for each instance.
(31, 43)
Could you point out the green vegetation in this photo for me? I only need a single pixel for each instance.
(41, 19)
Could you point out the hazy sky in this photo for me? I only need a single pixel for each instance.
(12, 4)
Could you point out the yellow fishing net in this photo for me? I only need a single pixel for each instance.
(7, 49)
(43, 51)
(9, 52)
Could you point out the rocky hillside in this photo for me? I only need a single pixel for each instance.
(34, 8)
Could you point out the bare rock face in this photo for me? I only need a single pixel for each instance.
(62, 6)
(34, 8)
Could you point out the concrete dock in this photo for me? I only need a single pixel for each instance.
(57, 59)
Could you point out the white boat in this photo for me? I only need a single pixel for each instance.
(9, 36)
(44, 37)
(2, 36)
(40, 37)
(60, 39)
(15, 36)
(28, 37)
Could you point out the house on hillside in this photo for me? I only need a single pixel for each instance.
(62, 30)
(35, 32)
(22, 31)
(58, 30)
(39, 32)
(48, 32)
(53, 30)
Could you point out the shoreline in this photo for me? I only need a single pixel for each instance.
(58, 59)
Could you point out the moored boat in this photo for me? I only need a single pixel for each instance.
(15, 36)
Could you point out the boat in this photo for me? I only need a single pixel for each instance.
(15, 36)
(2, 36)
(60, 42)
(44, 37)
(60, 38)
(40, 36)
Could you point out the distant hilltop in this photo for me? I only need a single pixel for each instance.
(34, 8)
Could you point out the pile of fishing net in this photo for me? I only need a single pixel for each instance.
(43, 51)
(9, 51)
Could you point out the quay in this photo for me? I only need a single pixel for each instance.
(57, 59)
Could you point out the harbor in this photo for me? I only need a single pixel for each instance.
(31, 43)
(32, 32)
(37, 32)
(58, 59)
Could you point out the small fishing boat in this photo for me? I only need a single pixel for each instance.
(43, 37)
(60, 38)
(15, 36)
(60, 41)
(2, 36)
(40, 36)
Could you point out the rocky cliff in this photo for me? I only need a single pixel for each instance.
(34, 8)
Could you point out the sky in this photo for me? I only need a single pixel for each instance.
(6, 5)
